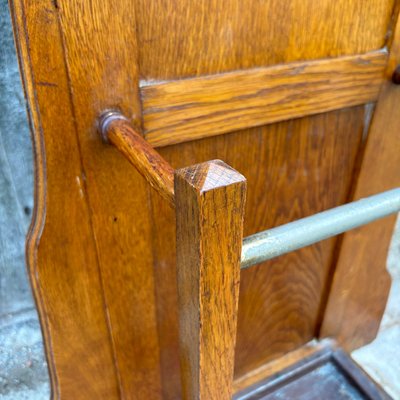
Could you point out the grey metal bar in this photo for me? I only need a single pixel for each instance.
(283, 239)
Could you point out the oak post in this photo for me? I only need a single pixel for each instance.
(210, 199)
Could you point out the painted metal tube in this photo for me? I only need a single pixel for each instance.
(283, 239)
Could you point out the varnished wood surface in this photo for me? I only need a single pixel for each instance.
(307, 163)
(361, 282)
(100, 50)
(193, 38)
(62, 260)
(157, 172)
(94, 287)
(293, 169)
(210, 200)
(189, 109)
(97, 239)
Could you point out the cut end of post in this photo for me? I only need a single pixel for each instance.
(210, 175)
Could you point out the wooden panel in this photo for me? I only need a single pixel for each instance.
(361, 282)
(95, 254)
(191, 38)
(62, 259)
(189, 109)
(89, 283)
(294, 169)
(103, 75)
(210, 199)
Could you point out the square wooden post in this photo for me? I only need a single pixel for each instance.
(210, 199)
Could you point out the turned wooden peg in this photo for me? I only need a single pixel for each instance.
(396, 76)
(116, 129)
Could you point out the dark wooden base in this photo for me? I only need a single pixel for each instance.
(329, 374)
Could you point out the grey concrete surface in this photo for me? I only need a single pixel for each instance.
(23, 370)
(381, 358)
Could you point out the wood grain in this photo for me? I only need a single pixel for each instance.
(100, 50)
(193, 38)
(96, 236)
(294, 169)
(188, 109)
(361, 282)
(97, 297)
(62, 260)
(157, 172)
(210, 199)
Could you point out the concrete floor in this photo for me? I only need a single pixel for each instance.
(381, 358)
(23, 370)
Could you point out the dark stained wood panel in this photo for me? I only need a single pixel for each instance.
(188, 109)
(294, 169)
(191, 38)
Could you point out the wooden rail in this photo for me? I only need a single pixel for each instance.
(116, 129)
(189, 109)
(210, 199)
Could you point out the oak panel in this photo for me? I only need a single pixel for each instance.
(192, 38)
(102, 75)
(294, 169)
(97, 204)
(361, 282)
(61, 251)
(188, 109)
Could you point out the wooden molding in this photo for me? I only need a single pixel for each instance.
(210, 201)
(188, 109)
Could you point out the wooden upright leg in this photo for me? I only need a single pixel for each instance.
(361, 283)
(210, 199)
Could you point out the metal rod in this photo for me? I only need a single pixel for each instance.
(116, 129)
(274, 242)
